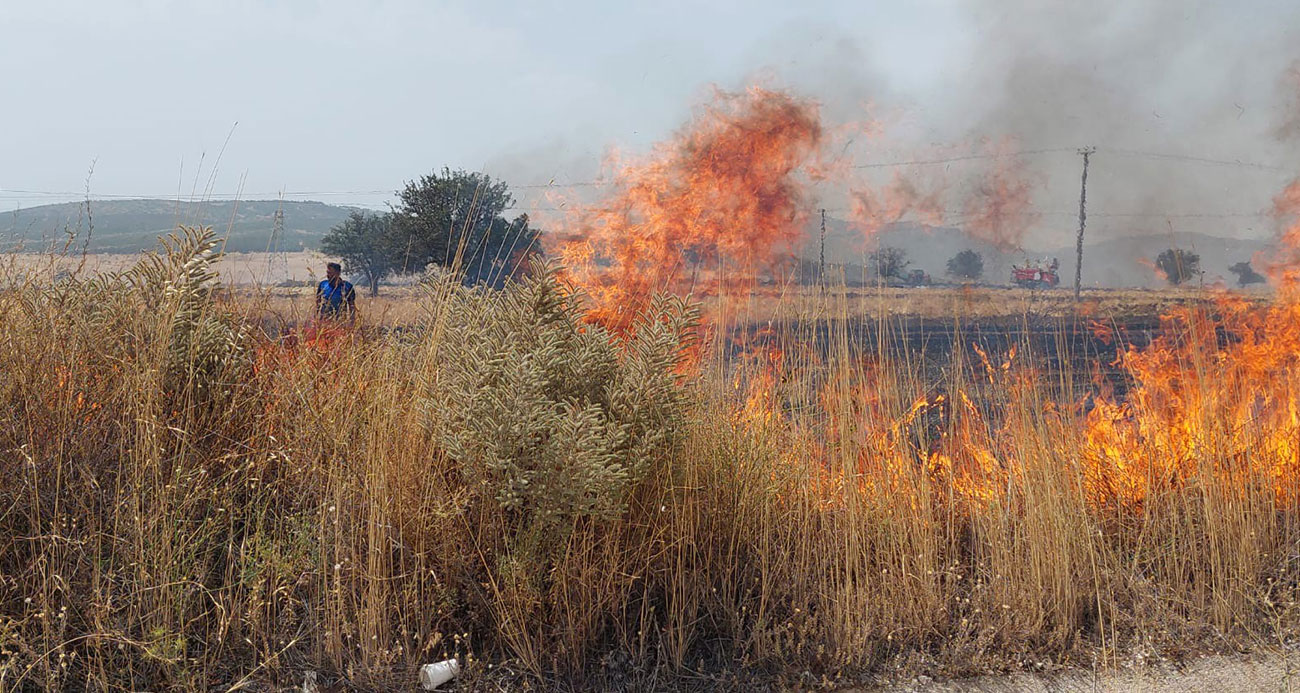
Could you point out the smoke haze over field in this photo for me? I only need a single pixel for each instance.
(335, 98)
(1176, 77)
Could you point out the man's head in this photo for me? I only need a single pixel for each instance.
(332, 271)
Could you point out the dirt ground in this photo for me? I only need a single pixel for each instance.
(244, 269)
(280, 271)
(1272, 671)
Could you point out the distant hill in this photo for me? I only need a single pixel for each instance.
(1129, 261)
(129, 226)
(1116, 262)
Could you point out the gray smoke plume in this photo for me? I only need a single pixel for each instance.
(1168, 91)
(1195, 79)
(1171, 94)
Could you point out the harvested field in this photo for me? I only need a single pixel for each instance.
(922, 324)
(237, 269)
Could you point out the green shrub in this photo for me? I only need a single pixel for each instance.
(551, 418)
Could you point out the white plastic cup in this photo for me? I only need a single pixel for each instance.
(438, 673)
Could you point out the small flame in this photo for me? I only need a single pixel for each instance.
(1000, 211)
(900, 200)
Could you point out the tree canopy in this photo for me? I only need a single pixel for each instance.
(451, 219)
(1246, 274)
(1178, 265)
(967, 264)
(454, 219)
(889, 262)
(367, 244)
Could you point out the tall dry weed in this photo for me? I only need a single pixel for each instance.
(186, 501)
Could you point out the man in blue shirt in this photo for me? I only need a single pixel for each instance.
(335, 298)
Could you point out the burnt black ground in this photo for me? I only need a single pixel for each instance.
(1068, 352)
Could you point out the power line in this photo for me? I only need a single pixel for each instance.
(9, 192)
(947, 214)
(966, 157)
(1194, 159)
(918, 162)
(553, 184)
(13, 193)
(1181, 215)
(1056, 150)
(1152, 215)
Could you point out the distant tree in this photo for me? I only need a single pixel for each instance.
(454, 219)
(1246, 274)
(1178, 265)
(889, 262)
(368, 244)
(967, 264)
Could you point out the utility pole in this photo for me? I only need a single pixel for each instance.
(1083, 218)
(274, 250)
(821, 263)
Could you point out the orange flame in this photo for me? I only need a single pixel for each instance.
(872, 211)
(1001, 209)
(724, 198)
(1218, 393)
(1283, 265)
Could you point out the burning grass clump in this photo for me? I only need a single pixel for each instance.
(185, 502)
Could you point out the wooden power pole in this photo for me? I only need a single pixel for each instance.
(821, 263)
(274, 251)
(1083, 217)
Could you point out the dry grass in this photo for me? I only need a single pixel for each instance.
(259, 280)
(240, 269)
(947, 302)
(186, 503)
(404, 305)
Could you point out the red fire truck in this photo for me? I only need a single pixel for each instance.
(1036, 276)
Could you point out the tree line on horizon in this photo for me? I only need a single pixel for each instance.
(456, 220)
(1176, 265)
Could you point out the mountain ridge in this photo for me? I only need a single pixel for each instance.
(130, 226)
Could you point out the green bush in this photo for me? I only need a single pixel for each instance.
(551, 418)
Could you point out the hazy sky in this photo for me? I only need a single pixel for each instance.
(352, 97)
